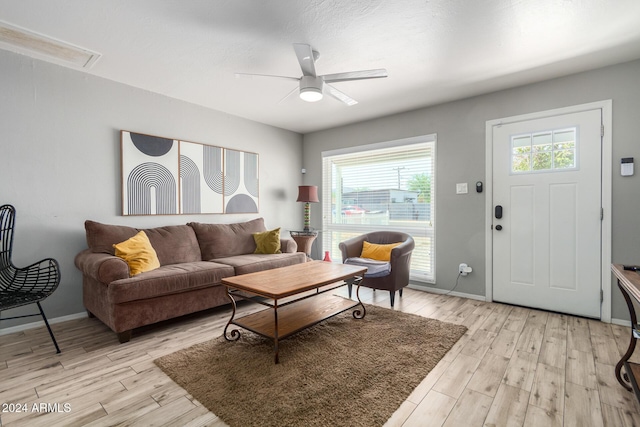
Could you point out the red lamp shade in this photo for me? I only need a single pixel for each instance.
(308, 193)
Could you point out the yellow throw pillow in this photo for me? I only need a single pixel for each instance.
(377, 252)
(267, 242)
(138, 253)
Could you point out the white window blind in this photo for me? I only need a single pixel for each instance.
(385, 186)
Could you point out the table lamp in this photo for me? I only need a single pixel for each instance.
(307, 194)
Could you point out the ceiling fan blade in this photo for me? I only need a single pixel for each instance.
(355, 75)
(305, 58)
(249, 76)
(295, 90)
(340, 96)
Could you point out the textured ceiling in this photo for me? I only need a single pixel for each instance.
(433, 50)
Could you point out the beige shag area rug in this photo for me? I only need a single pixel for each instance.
(341, 372)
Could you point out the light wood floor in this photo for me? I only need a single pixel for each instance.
(514, 367)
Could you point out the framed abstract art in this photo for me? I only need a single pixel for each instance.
(163, 176)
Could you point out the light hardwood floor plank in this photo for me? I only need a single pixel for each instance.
(514, 366)
(531, 337)
(454, 380)
(581, 369)
(399, 417)
(509, 407)
(432, 411)
(582, 407)
(578, 336)
(470, 409)
(538, 417)
(611, 392)
(616, 417)
(605, 349)
(516, 319)
(427, 383)
(548, 389)
(488, 376)
(553, 351)
(505, 343)
(479, 343)
(521, 370)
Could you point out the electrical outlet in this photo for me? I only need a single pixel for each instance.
(464, 269)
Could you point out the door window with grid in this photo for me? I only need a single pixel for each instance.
(384, 186)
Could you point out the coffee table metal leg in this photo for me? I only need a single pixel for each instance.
(234, 335)
(275, 330)
(357, 314)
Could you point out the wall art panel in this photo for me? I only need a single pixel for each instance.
(162, 176)
(201, 178)
(149, 175)
(241, 182)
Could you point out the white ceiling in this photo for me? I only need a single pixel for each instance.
(433, 50)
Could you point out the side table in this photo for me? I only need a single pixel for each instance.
(304, 239)
(629, 284)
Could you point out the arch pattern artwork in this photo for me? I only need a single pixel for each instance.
(190, 181)
(163, 176)
(240, 182)
(213, 173)
(151, 189)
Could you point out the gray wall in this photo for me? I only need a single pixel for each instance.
(60, 162)
(460, 126)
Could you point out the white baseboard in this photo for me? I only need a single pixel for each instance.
(428, 288)
(621, 322)
(20, 328)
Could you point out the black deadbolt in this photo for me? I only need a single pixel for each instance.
(498, 211)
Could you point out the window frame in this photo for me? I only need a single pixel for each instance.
(417, 231)
(531, 153)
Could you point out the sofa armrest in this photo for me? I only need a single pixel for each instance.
(102, 267)
(288, 246)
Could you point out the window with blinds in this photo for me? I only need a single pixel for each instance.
(384, 186)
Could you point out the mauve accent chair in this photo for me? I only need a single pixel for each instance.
(400, 260)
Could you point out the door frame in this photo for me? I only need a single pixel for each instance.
(605, 266)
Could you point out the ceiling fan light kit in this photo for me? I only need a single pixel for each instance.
(312, 86)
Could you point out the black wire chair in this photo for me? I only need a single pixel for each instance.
(28, 285)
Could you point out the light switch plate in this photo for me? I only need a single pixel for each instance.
(462, 188)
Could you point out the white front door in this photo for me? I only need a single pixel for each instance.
(547, 184)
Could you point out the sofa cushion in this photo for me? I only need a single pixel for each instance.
(102, 237)
(267, 242)
(138, 253)
(251, 263)
(225, 240)
(374, 268)
(174, 243)
(168, 279)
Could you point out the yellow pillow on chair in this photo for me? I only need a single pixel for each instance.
(377, 252)
(138, 253)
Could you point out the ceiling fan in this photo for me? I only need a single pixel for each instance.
(311, 86)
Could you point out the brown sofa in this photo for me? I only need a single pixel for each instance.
(194, 258)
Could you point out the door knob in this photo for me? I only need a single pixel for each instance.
(498, 227)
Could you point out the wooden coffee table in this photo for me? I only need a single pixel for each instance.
(298, 296)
